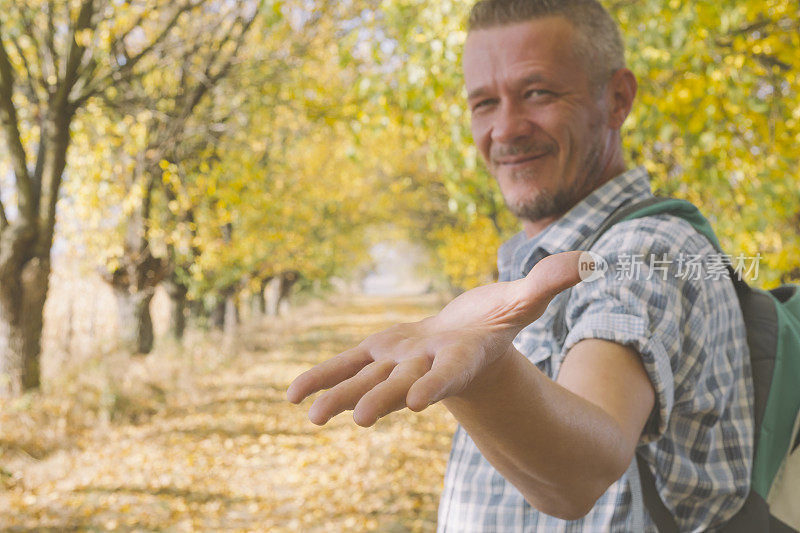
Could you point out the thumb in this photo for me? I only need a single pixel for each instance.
(552, 275)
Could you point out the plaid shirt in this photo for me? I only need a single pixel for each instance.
(689, 331)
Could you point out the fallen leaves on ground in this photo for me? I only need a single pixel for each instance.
(226, 451)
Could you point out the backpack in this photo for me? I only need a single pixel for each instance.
(772, 321)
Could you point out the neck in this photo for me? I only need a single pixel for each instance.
(535, 227)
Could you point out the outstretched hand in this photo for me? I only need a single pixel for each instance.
(416, 364)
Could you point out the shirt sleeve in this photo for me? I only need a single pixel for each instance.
(647, 300)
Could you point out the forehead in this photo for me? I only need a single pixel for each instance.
(545, 46)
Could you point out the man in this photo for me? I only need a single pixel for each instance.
(549, 423)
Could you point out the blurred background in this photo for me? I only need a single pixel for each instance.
(199, 199)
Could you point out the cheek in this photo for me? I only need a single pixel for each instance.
(556, 120)
(481, 137)
(551, 123)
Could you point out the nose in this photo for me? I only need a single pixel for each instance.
(510, 123)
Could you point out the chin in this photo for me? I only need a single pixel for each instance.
(543, 204)
(526, 195)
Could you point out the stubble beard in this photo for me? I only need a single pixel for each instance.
(554, 204)
(544, 204)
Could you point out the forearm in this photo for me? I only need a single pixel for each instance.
(560, 450)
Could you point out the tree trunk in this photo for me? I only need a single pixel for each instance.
(177, 295)
(178, 318)
(136, 276)
(225, 313)
(218, 313)
(135, 322)
(231, 315)
(289, 279)
(262, 295)
(197, 313)
(272, 296)
(278, 290)
(255, 305)
(134, 284)
(23, 291)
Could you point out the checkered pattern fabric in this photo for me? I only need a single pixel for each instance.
(690, 334)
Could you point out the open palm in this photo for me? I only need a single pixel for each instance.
(416, 364)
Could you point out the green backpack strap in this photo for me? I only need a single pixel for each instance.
(757, 511)
(657, 205)
(775, 438)
(661, 516)
(772, 320)
(653, 205)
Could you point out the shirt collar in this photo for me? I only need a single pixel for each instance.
(518, 255)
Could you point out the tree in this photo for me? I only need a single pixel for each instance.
(715, 120)
(247, 163)
(54, 57)
(207, 46)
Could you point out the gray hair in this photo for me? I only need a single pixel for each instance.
(599, 40)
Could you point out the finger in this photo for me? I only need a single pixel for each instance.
(390, 395)
(550, 276)
(451, 372)
(553, 274)
(326, 375)
(346, 394)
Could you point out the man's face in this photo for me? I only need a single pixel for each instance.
(538, 121)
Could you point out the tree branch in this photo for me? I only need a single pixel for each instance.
(27, 24)
(31, 93)
(115, 75)
(8, 116)
(173, 130)
(756, 25)
(30, 31)
(60, 113)
(245, 24)
(49, 37)
(76, 51)
(116, 46)
(211, 79)
(38, 171)
(772, 61)
(3, 218)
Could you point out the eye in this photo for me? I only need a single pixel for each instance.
(536, 93)
(484, 103)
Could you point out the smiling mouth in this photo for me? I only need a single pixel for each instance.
(521, 161)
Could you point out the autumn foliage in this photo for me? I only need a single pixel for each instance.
(215, 151)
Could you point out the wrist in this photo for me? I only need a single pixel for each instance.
(492, 377)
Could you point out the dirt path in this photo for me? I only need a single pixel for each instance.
(229, 453)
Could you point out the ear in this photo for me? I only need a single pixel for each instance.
(620, 90)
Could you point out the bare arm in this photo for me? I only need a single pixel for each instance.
(561, 444)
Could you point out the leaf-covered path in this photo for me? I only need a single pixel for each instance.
(227, 452)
